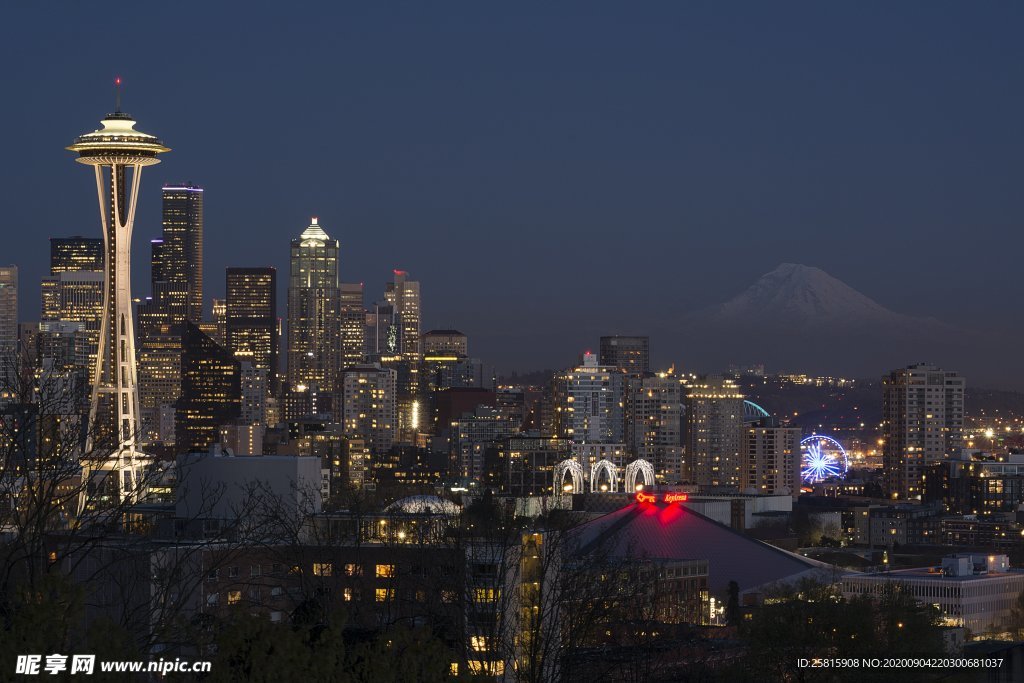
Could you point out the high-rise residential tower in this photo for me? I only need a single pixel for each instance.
(592, 407)
(251, 317)
(314, 302)
(654, 423)
(369, 406)
(715, 432)
(114, 409)
(771, 458)
(923, 423)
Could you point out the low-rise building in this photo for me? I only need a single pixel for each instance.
(977, 592)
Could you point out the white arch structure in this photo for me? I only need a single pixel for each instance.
(574, 469)
(641, 467)
(595, 474)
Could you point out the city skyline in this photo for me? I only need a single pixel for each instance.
(534, 166)
(509, 343)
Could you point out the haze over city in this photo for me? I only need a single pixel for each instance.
(542, 172)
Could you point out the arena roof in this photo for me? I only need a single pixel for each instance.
(671, 531)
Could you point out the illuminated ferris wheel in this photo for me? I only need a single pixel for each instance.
(822, 458)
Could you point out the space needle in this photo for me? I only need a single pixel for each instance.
(114, 406)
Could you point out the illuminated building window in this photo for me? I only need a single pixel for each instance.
(495, 668)
(385, 571)
(347, 595)
(322, 569)
(382, 595)
(234, 597)
(486, 594)
(478, 643)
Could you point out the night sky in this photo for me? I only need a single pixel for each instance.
(550, 171)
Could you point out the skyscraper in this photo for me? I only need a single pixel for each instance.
(181, 253)
(74, 256)
(314, 302)
(353, 324)
(69, 254)
(73, 293)
(383, 331)
(8, 309)
(114, 410)
(630, 354)
(715, 431)
(255, 390)
(251, 317)
(404, 295)
(160, 382)
(75, 296)
(211, 391)
(441, 342)
(923, 423)
(219, 309)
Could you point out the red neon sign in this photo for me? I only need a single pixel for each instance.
(642, 497)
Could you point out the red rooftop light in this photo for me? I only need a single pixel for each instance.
(642, 497)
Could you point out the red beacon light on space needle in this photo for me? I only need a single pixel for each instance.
(643, 498)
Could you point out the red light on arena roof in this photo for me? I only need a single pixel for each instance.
(644, 498)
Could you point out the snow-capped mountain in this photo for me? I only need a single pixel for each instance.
(798, 296)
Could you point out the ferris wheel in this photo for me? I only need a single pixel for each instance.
(822, 458)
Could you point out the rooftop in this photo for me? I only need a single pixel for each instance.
(444, 333)
(934, 574)
(671, 531)
(314, 232)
